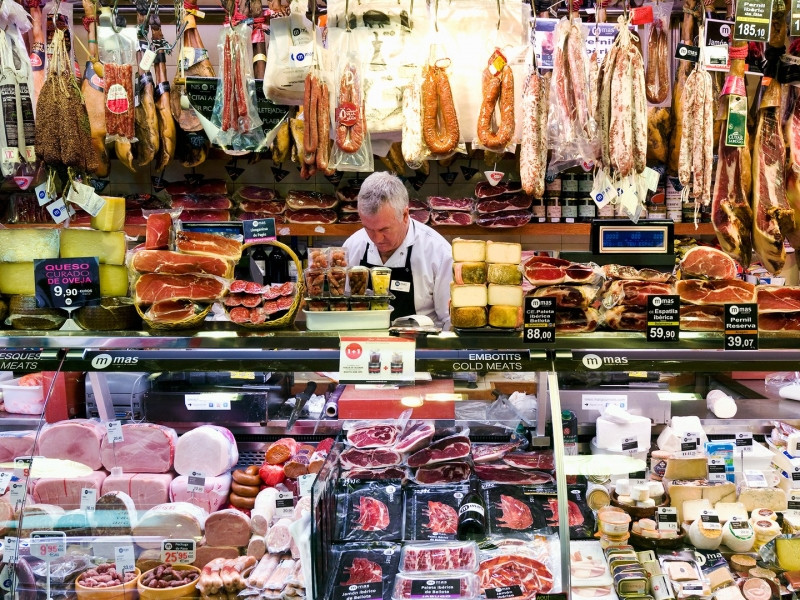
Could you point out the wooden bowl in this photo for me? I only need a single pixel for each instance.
(637, 512)
(184, 591)
(124, 591)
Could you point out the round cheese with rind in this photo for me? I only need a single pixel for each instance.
(468, 317)
(738, 535)
(504, 274)
(469, 273)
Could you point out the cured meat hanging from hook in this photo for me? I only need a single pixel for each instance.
(166, 124)
(194, 63)
(498, 90)
(439, 121)
(349, 111)
(533, 146)
(93, 94)
(146, 117)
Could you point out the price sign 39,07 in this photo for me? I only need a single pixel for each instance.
(540, 320)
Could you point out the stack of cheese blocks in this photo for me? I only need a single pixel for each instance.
(643, 495)
(473, 303)
(20, 247)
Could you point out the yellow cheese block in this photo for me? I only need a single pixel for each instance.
(505, 295)
(713, 491)
(504, 274)
(24, 245)
(788, 550)
(467, 317)
(503, 252)
(468, 250)
(113, 280)
(16, 278)
(108, 246)
(686, 467)
(505, 316)
(468, 295)
(112, 216)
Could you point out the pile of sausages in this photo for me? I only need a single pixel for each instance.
(317, 127)
(245, 487)
(105, 575)
(166, 576)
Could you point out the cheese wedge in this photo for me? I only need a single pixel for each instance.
(112, 216)
(503, 252)
(108, 246)
(24, 245)
(468, 250)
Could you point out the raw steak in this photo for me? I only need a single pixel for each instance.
(442, 518)
(702, 318)
(544, 270)
(633, 293)
(628, 272)
(704, 261)
(254, 193)
(204, 202)
(542, 461)
(147, 448)
(378, 474)
(568, 296)
(208, 244)
(779, 321)
(773, 298)
(300, 200)
(449, 472)
(145, 489)
(367, 435)
(626, 318)
(446, 449)
(369, 459)
(451, 204)
(483, 453)
(16, 443)
(696, 291)
(422, 216)
(363, 571)
(503, 203)
(577, 320)
(508, 570)
(151, 288)
(207, 449)
(416, 435)
(177, 263)
(516, 514)
(443, 556)
(444, 217)
(484, 189)
(314, 216)
(507, 474)
(213, 497)
(75, 439)
(373, 515)
(501, 220)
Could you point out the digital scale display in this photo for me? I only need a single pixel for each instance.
(621, 236)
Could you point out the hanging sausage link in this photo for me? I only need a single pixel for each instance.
(439, 120)
(497, 89)
(349, 112)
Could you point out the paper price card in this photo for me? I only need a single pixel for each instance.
(48, 545)
(376, 359)
(753, 20)
(284, 504)
(88, 499)
(66, 283)
(716, 469)
(741, 326)
(178, 552)
(744, 441)
(124, 559)
(667, 518)
(540, 320)
(663, 318)
(114, 431)
(5, 479)
(196, 483)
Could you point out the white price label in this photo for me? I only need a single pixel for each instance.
(88, 499)
(5, 479)
(124, 559)
(755, 479)
(147, 60)
(114, 432)
(58, 210)
(710, 519)
(744, 441)
(689, 444)
(305, 483)
(284, 504)
(48, 545)
(716, 469)
(43, 195)
(17, 495)
(630, 445)
(651, 178)
(22, 466)
(178, 552)
(667, 518)
(196, 482)
(11, 549)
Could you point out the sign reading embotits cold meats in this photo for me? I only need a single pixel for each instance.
(67, 282)
(491, 361)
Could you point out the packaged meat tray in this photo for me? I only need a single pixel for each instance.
(581, 517)
(371, 511)
(427, 557)
(432, 512)
(364, 570)
(512, 511)
(442, 586)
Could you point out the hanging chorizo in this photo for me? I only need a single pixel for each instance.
(439, 120)
(497, 90)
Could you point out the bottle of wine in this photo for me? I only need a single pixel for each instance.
(472, 515)
(278, 266)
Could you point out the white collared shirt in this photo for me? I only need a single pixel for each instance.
(431, 267)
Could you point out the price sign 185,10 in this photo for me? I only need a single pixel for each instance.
(750, 31)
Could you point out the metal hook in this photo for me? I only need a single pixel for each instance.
(145, 25)
(114, 18)
(54, 16)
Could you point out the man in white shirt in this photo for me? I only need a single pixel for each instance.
(421, 260)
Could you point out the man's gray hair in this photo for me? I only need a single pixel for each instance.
(382, 188)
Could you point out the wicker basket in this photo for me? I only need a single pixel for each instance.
(195, 321)
(299, 292)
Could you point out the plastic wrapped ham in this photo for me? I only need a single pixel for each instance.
(178, 520)
(76, 439)
(213, 497)
(15, 443)
(146, 448)
(208, 449)
(66, 491)
(146, 489)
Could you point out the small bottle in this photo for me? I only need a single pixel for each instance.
(539, 211)
(258, 264)
(278, 267)
(569, 195)
(291, 265)
(587, 209)
(472, 515)
(552, 200)
(569, 422)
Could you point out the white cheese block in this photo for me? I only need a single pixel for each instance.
(670, 438)
(468, 295)
(616, 425)
(646, 503)
(503, 252)
(732, 592)
(468, 250)
(640, 493)
(771, 498)
(693, 508)
(505, 295)
(655, 489)
(714, 491)
(727, 510)
(23, 245)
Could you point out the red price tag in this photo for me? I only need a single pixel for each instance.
(642, 15)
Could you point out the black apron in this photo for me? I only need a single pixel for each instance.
(403, 303)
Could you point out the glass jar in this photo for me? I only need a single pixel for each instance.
(539, 211)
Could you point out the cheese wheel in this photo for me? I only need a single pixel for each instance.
(738, 535)
(503, 252)
(505, 295)
(704, 536)
(623, 487)
(469, 273)
(765, 531)
(468, 250)
(640, 493)
(504, 274)
(756, 589)
(507, 317)
(763, 513)
(788, 551)
(468, 295)
(468, 317)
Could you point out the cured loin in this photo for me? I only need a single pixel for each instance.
(626, 318)
(457, 204)
(506, 219)
(369, 459)
(633, 293)
(542, 461)
(443, 217)
(702, 318)
(484, 189)
(373, 436)
(508, 474)
(568, 296)
(777, 299)
(533, 146)
(445, 556)
(696, 291)
(208, 244)
(153, 287)
(704, 261)
(483, 453)
(507, 570)
(577, 320)
(442, 518)
(176, 263)
(312, 216)
(446, 449)
(373, 515)
(446, 472)
(378, 474)
(514, 514)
